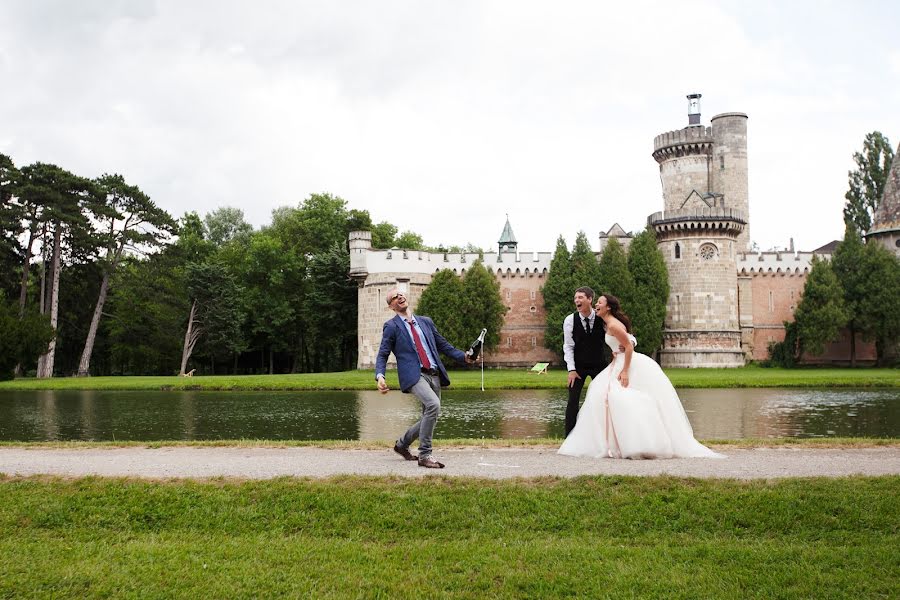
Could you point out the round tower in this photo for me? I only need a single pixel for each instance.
(729, 166)
(886, 224)
(699, 233)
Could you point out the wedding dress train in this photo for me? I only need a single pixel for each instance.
(644, 420)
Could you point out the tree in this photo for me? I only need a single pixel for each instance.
(867, 181)
(225, 224)
(135, 223)
(558, 292)
(11, 216)
(216, 311)
(615, 278)
(482, 306)
(821, 312)
(384, 235)
(585, 268)
(651, 291)
(878, 306)
(441, 301)
(848, 265)
(68, 202)
(22, 338)
(410, 241)
(330, 294)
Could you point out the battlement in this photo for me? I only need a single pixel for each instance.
(682, 142)
(398, 260)
(776, 263)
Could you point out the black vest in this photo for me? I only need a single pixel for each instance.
(590, 349)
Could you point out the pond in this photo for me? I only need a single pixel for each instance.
(368, 415)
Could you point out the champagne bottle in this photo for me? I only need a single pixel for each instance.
(475, 348)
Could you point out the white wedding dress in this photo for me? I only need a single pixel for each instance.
(644, 420)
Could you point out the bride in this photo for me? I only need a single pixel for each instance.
(631, 409)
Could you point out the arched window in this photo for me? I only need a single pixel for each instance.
(677, 250)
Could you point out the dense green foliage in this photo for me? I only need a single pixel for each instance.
(870, 278)
(639, 279)
(558, 292)
(24, 337)
(867, 181)
(820, 315)
(353, 536)
(650, 294)
(461, 308)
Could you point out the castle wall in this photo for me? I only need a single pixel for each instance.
(520, 275)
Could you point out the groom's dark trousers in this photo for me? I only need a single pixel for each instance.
(591, 356)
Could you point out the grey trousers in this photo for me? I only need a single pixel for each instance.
(428, 391)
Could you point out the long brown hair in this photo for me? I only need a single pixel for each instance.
(615, 309)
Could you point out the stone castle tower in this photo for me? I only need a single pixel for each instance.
(886, 224)
(703, 171)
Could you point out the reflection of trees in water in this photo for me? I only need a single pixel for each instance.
(368, 415)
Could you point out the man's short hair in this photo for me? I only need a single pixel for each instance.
(392, 293)
(586, 291)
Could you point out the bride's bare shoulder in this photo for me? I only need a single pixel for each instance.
(615, 326)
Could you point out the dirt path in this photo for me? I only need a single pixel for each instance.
(265, 463)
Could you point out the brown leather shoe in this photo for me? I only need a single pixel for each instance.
(405, 453)
(430, 463)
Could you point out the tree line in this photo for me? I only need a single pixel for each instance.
(858, 289)
(97, 279)
(638, 277)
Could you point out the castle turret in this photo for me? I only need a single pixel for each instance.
(359, 242)
(703, 171)
(886, 224)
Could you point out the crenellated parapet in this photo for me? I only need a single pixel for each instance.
(788, 264)
(690, 141)
(715, 220)
(523, 264)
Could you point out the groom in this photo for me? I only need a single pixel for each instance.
(584, 349)
(415, 342)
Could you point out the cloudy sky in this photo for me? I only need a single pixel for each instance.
(443, 116)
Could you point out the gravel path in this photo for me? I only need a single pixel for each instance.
(265, 463)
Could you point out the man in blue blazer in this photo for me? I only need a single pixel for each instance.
(415, 342)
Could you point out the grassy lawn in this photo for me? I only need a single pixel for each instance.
(392, 538)
(494, 379)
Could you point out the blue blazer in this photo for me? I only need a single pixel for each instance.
(396, 339)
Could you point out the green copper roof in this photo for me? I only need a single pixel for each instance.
(507, 237)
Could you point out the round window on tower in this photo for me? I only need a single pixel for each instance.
(897, 243)
(708, 251)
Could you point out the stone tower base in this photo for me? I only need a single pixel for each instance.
(701, 349)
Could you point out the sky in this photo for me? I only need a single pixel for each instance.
(443, 116)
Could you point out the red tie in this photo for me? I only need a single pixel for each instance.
(423, 358)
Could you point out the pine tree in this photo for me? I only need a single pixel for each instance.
(615, 278)
(821, 312)
(557, 292)
(483, 307)
(867, 181)
(847, 263)
(442, 300)
(878, 310)
(585, 268)
(651, 291)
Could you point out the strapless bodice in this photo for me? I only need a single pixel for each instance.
(613, 343)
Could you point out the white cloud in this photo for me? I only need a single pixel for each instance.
(442, 117)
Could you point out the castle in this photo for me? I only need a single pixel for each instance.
(726, 303)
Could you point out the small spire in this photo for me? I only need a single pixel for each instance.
(507, 238)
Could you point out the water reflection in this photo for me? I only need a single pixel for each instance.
(368, 415)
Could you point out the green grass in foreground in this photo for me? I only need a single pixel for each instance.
(494, 379)
(365, 537)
